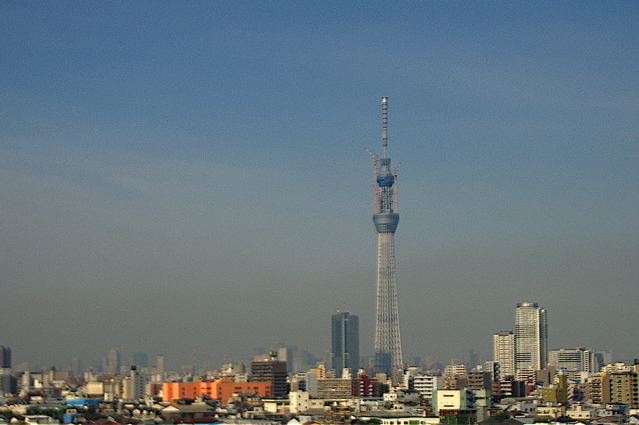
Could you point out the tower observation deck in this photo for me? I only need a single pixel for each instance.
(388, 344)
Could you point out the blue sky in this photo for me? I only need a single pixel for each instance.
(208, 159)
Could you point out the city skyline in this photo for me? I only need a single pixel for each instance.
(165, 166)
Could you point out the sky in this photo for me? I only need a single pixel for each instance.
(191, 178)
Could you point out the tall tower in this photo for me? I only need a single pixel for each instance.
(344, 342)
(388, 343)
(531, 338)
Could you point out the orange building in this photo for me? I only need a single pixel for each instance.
(216, 390)
(226, 389)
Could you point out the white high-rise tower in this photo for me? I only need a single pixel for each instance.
(388, 343)
(531, 338)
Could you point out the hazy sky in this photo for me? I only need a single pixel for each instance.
(191, 177)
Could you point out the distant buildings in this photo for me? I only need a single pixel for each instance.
(344, 342)
(573, 360)
(141, 359)
(113, 361)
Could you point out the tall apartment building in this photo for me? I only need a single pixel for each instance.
(344, 342)
(573, 360)
(531, 337)
(504, 352)
(133, 386)
(272, 370)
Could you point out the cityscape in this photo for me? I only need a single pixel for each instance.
(201, 217)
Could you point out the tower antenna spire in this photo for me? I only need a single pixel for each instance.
(385, 125)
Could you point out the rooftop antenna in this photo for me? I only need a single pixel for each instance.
(385, 125)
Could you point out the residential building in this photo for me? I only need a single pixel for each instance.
(531, 338)
(426, 384)
(620, 388)
(504, 352)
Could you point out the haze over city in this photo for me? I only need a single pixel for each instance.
(192, 178)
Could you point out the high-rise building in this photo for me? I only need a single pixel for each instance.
(344, 342)
(160, 365)
(113, 361)
(5, 370)
(5, 357)
(504, 352)
(531, 337)
(133, 385)
(388, 343)
(270, 369)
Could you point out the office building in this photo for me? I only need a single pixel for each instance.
(344, 343)
(270, 369)
(573, 360)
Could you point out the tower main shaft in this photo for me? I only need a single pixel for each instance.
(388, 344)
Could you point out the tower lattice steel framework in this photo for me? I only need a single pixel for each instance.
(388, 343)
